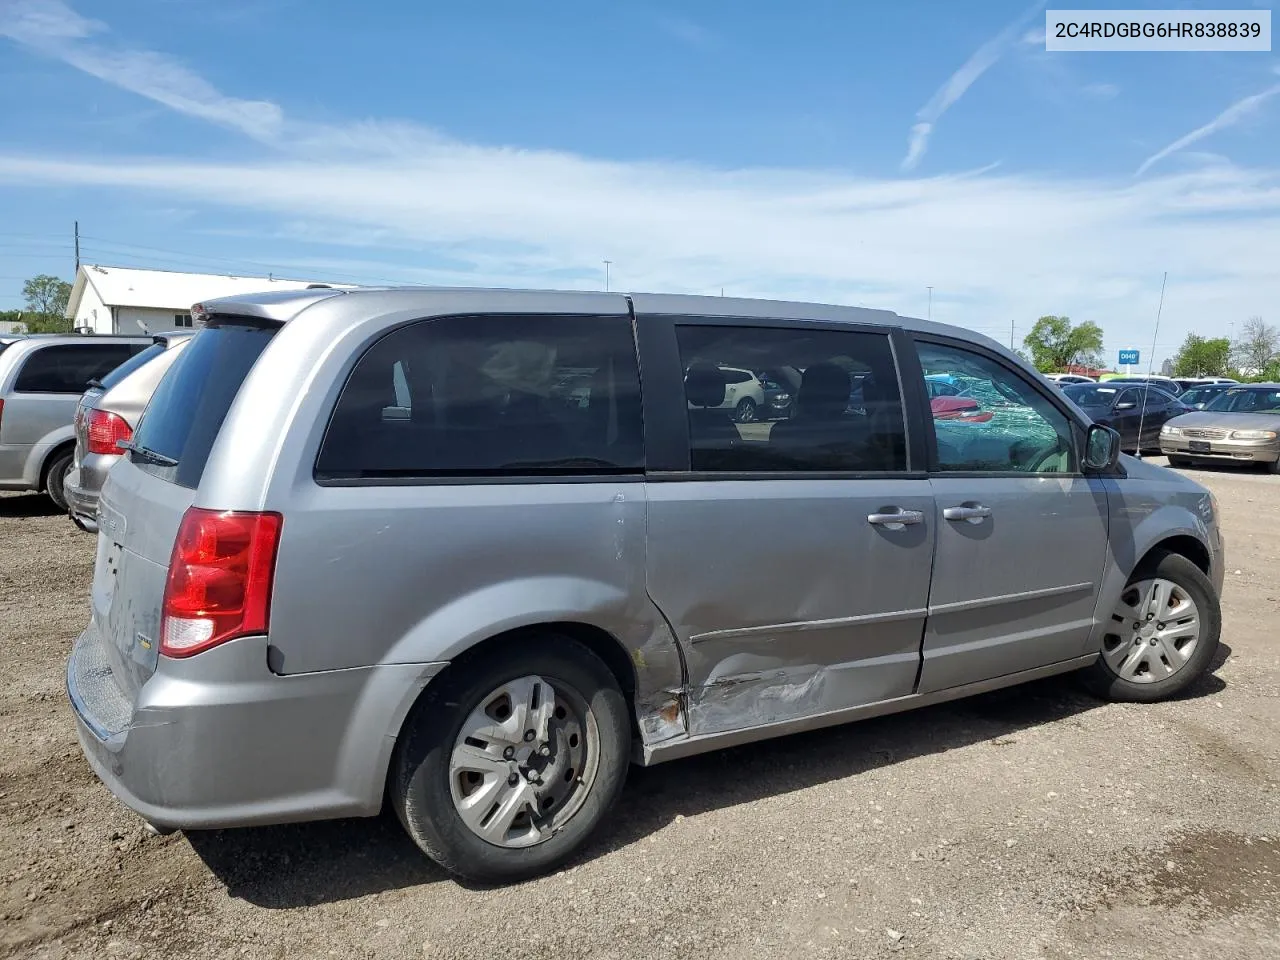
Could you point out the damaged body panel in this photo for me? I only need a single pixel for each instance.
(829, 616)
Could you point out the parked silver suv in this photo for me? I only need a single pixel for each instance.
(41, 380)
(472, 551)
(105, 418)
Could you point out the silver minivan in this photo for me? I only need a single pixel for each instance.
(105, 418)
(472, 552)
(41, 380)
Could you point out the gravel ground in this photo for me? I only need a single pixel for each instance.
(1033, 823)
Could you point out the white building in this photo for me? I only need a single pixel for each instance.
(124, 300)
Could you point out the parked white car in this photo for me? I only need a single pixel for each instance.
(1069, 378)
(743, 394)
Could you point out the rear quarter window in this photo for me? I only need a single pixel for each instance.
(490, 396)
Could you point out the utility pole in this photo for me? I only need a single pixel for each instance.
(77, 246)
(929, 316)
(607, 265)
(1012, 321)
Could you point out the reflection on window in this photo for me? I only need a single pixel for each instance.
(773, 400)
(989, 419)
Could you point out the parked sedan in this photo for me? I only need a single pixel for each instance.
(107, 415)
(1127, 409)
(1242, 424)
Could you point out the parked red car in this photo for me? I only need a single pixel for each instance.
(958, 408)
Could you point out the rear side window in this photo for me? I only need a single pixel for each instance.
(186, 412)
(133, 363)
(490, 395)
(68, 368)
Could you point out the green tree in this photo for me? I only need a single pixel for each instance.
(46, 298)
(1055, 343)
(1256, 347)
(1199, 357)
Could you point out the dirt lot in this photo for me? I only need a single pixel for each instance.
(1035, 823)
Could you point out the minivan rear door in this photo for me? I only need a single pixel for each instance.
(791, 556)
(147, 493)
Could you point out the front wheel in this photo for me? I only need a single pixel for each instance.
(507, 768)
(1180, 462)
(745, 411)
(1162, 635)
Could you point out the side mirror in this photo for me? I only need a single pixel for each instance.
(1126, 405)
(1101, 448)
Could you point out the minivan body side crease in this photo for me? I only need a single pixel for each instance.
(472, 552)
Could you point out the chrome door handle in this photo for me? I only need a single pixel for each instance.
(974, 514)
(897, 519)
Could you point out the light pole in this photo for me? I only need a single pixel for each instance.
(607, 265)
(929, 315)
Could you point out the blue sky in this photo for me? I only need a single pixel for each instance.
(848, 152)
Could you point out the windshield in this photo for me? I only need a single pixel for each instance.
(1246, 400)
(1200, 394)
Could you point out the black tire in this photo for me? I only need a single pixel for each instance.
(1181, 463)
(745, 411)
(1105, 683)
(1274, 466)
(55, 477)
(420, 781)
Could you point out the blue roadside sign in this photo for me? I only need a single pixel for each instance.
(1128, 356)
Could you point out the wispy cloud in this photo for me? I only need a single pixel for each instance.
(1227, 118)
(1103, 91)
(686, 31)
(55, 30)
(946, 95)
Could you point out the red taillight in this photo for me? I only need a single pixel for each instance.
(105, 431)
(219, 584)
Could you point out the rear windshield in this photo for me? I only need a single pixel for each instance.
(186, 411)
(130, 365)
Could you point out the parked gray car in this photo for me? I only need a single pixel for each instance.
(41, 381)
(1241, 424)
(105, 418)
(472, 551)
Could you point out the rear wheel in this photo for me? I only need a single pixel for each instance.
(508, 767)
(1163, 633)
(56, 473)
(745, 411)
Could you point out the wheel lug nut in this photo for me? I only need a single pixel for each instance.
(528, 735)
(1159, 626)
(544, 751)
(513, 779)
(509, 753)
